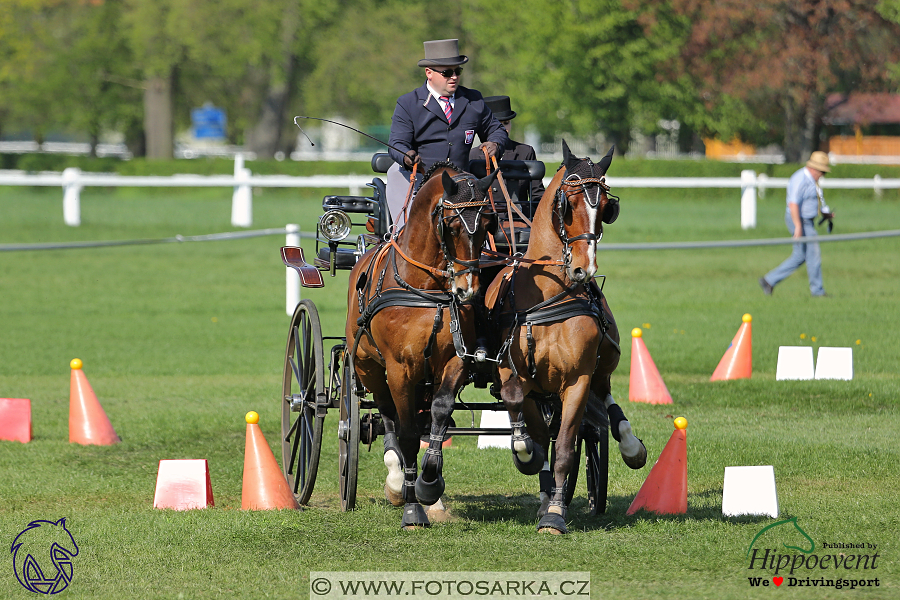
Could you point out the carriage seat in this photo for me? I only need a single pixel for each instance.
(350, 204)
(511, 169)
(381, 162)
(345, 258)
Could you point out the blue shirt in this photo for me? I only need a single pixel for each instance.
(802, 191)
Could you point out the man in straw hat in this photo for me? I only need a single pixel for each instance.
(528, 190)
(804, 197)
(438, 122)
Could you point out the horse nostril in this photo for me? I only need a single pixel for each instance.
(578, 274)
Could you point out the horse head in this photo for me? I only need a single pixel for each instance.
(461, 218)
(582, 206)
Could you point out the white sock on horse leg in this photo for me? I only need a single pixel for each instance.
(630, 446)
(394, 479)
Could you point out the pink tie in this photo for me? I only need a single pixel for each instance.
(448, 110)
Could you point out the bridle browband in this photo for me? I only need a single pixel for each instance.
(457, 209)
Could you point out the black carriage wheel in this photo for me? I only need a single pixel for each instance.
(572, 479)
(597, 467)
(348, 437)
(303, 385)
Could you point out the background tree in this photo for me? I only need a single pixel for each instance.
(776, 60)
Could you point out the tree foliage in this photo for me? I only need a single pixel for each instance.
(590, 68)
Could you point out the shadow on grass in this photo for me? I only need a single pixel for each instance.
(522, 508)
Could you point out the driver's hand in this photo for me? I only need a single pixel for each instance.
(492, 148)
(412, 157)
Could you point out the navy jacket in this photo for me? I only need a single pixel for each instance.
(419, 124)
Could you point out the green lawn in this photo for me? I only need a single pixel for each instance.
(179, 341)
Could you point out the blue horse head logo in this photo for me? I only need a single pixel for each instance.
(42, 556)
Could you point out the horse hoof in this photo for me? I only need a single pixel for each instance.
(552, 523)
(429, 492)
(639, 460)
(533, 466)
(438, 513)
(395, 498)
(414, 517)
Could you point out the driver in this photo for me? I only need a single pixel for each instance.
(438, 122)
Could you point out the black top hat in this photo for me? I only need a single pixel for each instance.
(499, 105)
(442, 53)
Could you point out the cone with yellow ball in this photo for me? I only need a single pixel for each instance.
(645, 382)
(665, 490)
(88, 423)
(737, 362)
(264, 486)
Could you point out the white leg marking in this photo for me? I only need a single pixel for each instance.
(394, 480)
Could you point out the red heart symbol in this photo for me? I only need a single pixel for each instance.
(778, 580)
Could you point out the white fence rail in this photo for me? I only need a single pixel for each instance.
(73, 180)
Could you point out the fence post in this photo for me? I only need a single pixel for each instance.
(761, 180)
(748, 199)
(877, 185)
(292, 280)
(71, 196)
(242, 198)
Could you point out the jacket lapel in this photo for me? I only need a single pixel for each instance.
(460, 104)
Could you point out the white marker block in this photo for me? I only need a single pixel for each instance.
(494, 419)
(794, 362)
(834, 363)
(749, 491)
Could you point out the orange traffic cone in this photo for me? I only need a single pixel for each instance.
(183, 484)
(15, 419)
(737, 362)
(88, 423)
(645, 383)
(665, 490)
(265, 487)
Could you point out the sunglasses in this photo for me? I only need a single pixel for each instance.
(448, 73)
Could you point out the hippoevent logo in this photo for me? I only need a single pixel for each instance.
(839, 565)
(42, 556)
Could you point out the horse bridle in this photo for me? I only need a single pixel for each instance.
(443, 222)
(573, 184)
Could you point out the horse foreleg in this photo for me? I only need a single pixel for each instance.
(393, 460)
(634, 454)
(430, 484)
(528, 456)
(573, 403)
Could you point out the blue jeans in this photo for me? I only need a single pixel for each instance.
(804, 252)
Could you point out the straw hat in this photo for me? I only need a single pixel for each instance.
(819, 161)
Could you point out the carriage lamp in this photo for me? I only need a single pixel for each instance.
(335, 225)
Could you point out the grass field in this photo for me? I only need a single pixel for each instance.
(179, 341)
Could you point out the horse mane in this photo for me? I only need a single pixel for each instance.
(438, 165)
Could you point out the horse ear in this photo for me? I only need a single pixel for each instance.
(570, 160)
(484, 184)
(606, 161)
(450, 186)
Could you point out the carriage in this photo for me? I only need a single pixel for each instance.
(320, 373)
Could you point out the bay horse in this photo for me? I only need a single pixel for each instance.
(560, 337)
(410, 316)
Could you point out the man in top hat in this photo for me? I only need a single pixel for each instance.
(533, 190)
(804, 197)
(438, 122)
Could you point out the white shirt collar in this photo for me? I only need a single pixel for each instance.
(438, 96)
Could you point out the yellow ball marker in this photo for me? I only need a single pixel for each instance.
(680, 423)
(76, 363)
(252, 417)
(746, 318)
(636, 332)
